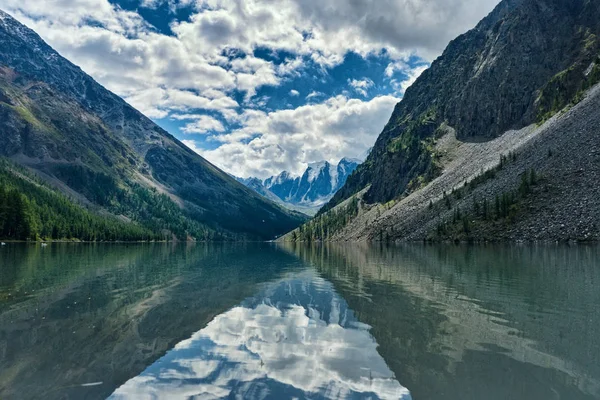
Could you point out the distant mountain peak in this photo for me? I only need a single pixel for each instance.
(315, 169)
(348, 160)
(318, 164)
(317, 185)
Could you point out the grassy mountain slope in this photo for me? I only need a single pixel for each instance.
(533, 184)
(89, 143)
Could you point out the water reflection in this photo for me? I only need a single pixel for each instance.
(295, 339)
(76, 315)
(476, 322)
(257, 321)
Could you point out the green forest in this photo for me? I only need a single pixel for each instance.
(31, 210)
(324, 226)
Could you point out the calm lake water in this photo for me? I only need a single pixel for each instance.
(258, 321)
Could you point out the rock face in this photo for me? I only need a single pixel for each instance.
(562, 205)
(59, 122)
(521, 64)
(497, 141)
(315, 187)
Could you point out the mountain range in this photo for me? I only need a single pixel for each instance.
(79, 140)
(497, 140)
(310, 191)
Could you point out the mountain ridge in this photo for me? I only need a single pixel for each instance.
(70, 130)
(308, 192)
(468, 87)
(463, 130)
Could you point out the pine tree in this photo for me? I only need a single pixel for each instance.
(498, 207)
(532, 177)
(485, 209)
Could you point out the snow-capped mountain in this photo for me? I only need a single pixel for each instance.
(317, 185)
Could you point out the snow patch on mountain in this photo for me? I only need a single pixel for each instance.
(317, 185)
(334, 172)
(315, 169)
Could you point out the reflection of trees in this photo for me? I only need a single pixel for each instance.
(104, 312)
(475, 322)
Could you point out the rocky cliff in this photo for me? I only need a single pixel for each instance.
(520, 65)
(496, 141)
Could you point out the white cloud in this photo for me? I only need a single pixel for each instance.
(173, 4)
(186, 117)
(390, 69)
(411, 75)
(294, 93)
(361, 85)
(188, 71)
(192, 145)
(292, 344)
(125, 54)
(160, 101)
(314, 94)
(270, 142)
(203, 124)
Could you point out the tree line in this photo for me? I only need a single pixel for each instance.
(326, 225)
(30, 210)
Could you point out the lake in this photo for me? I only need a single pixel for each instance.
(262, 321)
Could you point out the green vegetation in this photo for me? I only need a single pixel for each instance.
(407, 163)
(503, 208)
(153, 210)
(111, 161)
(566, 88)
(326, 225)
(413, 151)
(31, 211)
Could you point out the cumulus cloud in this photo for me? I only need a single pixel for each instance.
(159, 101)
(294, 93)
(189, 70)
(411, 74)
(314, 94)
(123, 52)
(173, 4)
(270, 142)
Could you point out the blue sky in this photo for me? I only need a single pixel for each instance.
(256, 86)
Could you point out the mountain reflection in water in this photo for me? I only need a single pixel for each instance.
(295, 339)
(255, 321)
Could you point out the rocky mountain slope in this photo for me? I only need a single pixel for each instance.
(496, 141)
(521, 64)
(93, 146)
(309, 192)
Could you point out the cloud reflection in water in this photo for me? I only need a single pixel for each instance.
(295, 339)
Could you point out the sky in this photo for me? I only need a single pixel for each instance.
(256, 86)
